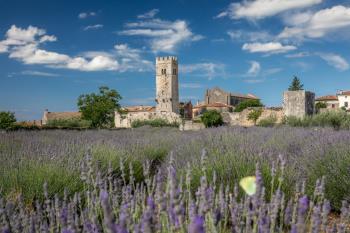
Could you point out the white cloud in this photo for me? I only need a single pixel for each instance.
(84, 15)
(209, 69)
(38, 73)
(335, 60)
(149, 14)
(254, 69)
(93, 27)
(258, 9)
(271, 47)
(318, 24)
(191, 85)
(241, 35)
(165, 36)
(24, 45)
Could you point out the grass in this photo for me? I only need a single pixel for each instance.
(29, 158)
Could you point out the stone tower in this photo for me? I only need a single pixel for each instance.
(167, 84)
(298, 103)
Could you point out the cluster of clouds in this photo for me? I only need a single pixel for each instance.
(163, 35)
(301, 23)
(25, 45)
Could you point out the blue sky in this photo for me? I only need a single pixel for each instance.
(53, 51)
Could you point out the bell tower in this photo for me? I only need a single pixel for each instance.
(167, 84)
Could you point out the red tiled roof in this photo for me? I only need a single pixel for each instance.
(327, 97)
(140, 108)
(344, 93)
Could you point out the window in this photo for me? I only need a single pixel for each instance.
(346, 104)
(333, 105)
(174, 71)
(163, 71)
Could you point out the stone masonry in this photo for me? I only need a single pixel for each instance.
(167, 85)
(298, 103)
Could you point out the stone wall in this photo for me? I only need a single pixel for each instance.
(216, 95)
(125, 120)
(298, 103)
(241, 118)
(190, 125)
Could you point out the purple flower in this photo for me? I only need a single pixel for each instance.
(197, 225)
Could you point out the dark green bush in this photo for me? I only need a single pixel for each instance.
(212, 118)
(154, 123)
(246, 104)
(69, 123)
(7, 120)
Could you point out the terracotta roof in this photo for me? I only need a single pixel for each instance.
(62, 115)
(344, 93)
(140, 108)
(214, 105)
(327, 97)
(247, 96)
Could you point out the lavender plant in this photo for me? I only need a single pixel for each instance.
(164, 203)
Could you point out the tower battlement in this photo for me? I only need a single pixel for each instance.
(165, 59)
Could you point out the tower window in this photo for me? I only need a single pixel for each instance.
(174, 71)
(163, 71)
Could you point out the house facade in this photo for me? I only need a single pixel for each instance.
(331, 101)
(344, 99)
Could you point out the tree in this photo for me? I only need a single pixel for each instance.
(99, 108)
(212, 118)
(246, 104)
(7, 119)
(320, 105)
(254, 115)
(296, 85)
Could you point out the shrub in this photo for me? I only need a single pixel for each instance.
(154, 123)
(254, 115)
(246, 104)
(320, 105)
(268, 121)
(212, 118)
(7, 120)
(68, 123)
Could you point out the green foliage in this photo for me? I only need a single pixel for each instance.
(320, 105)
(7, 120)
(212, 118)
(99, 108)
(154, 123)
(69, 123)
(268, 121)
(254, 115)
(246, 104)
(296, 85)
(335, 119)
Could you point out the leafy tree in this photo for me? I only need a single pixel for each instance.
(7, 119)
(320, 105)
(254, 115)
(99, 108)
(296, 85)
(212, 118)
(246, 104)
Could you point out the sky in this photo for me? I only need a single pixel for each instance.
(53, 51)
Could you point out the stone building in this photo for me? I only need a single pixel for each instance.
(167, 84)
(298, 103)
(167, 97)
(331, 101)
(217, 95)
(49, 116)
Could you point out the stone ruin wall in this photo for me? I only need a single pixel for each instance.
(125, 120)
(298, 103)
(241, 118)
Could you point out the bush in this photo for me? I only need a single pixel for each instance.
(335, 119)
(68, 123)
(254, 115)
(212, 118)
(154, 123)
(7, 120)
(246, 104)
(268, 122)
(320, 105)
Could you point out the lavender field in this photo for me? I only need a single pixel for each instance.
(164, 180)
